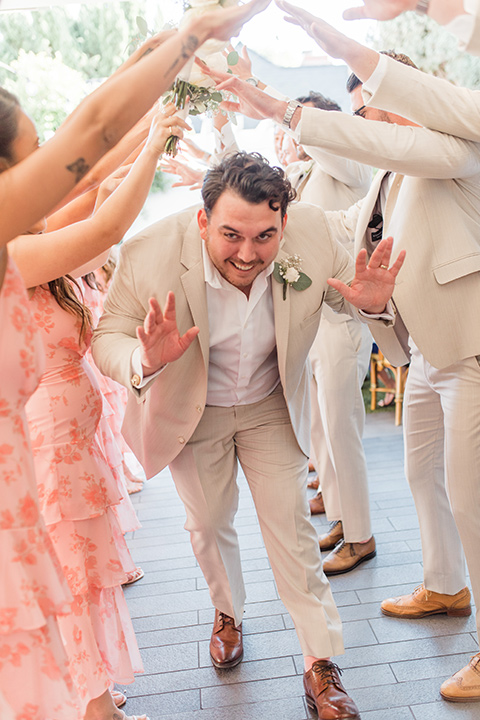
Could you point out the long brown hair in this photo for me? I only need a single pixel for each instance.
(65, 296)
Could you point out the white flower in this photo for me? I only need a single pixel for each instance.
(291, 275)
(203, 3)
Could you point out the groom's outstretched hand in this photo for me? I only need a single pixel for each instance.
(373, 284)
(160, 340)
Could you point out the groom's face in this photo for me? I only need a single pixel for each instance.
(241, 238)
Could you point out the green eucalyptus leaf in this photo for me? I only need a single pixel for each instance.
(232, 58)
(217, 96)
(302, 283)
(142, 25)
(276, 273)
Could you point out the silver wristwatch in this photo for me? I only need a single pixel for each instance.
(289, 112)
(422, 7)
(252, 81)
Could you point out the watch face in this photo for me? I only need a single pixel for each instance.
(253, 81)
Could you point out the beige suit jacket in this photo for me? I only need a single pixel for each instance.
(429, 101)
(433, 212)
(161, 417)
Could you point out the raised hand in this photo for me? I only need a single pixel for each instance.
(160, 340)
(165, 123)
(373, 284)
(189, 177)
(379, 9)
(228, 23)
(327, 37)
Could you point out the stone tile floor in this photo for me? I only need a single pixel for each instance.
(392, 668)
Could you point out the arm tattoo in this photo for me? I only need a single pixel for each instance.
(147, 52)
(187, 49)
(79, 168)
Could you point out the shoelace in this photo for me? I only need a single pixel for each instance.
(325, 673)
(225, 620)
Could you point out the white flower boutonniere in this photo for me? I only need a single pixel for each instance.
(289, 272)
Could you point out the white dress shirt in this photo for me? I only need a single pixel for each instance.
(243, 367)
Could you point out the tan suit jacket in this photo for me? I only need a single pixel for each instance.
(427, 100)
(161, 417)
(433, 212)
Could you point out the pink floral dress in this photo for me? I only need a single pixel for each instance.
(110, 424)
(77, 491)
(35, 683)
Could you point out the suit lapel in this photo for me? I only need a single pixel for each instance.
(193, 282)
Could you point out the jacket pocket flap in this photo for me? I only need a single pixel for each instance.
(455, 269)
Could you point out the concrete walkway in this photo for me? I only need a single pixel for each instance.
(392, 668)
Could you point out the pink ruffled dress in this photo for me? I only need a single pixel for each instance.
(35, 682)
(77, 493)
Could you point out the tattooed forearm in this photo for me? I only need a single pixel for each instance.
(186, 51)
(79, 168)
(147, 52)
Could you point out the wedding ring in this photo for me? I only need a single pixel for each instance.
(170, 130)
(384, 267)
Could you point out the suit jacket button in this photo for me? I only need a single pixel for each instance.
(198, 408)
(181, 440)
(135, 380)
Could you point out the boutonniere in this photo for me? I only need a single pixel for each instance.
(288, 272)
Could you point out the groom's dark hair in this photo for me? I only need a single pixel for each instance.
(250, 176)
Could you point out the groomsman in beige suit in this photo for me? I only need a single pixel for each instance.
(340, 357)
(236, 387)
(428, 197)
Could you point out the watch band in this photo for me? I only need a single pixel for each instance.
(289, 112)
(422, 7)
(252, 81)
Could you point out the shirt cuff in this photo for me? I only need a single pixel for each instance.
(137, 379)
(388, 314)
(371, 85)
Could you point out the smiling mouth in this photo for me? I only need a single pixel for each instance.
(242, 268)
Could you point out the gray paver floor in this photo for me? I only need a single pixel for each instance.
(392, 668)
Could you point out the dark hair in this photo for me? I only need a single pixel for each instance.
(250, 176)
(9, 108)
(319, 101)
(353, 81)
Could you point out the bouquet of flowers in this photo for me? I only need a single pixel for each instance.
(193, 92)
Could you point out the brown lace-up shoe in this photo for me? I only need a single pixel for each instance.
(226, 643)
(325, 693)
(346, 556)
(315, 483)
(422, 602)
(464, 686)
(332, 537)
(317, 506)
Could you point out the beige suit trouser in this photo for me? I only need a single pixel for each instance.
(260, 437)
(340, 357)
(442, 460)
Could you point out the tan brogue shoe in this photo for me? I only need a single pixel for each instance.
(464, 686)
(325, 693)
(315, 483)
(422, 602)
(346, 556)
(317, 506)
(332, 537)
(226, 643)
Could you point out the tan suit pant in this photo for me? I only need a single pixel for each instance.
(340, 357)
(260, 437)
(442, 460)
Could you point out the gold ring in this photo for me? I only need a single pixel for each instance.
(384, 267)
(170, 130)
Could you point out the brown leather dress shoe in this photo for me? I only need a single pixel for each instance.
(328, 540)
(314, 484)
(325, 693)
(422, 602)
(346, 556)
(317, 506)
(464, 686)
(226, 643)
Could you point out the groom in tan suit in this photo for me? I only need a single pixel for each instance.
(427, 195)
(235, 388)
